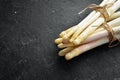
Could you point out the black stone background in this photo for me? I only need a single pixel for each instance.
(27, 50)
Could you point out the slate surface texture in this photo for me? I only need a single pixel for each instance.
(27, 50)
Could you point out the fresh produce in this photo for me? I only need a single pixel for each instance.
(101, 26)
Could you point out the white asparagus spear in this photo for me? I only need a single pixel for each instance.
(64, 51)
(66, 36)
(70, 32)
(85, 47)
(99, 35)
(66, 31)
(113, 23)
(86, 19)
(114, 16)
(58, 40)
(89, 30)
(86, 23)
(61, 45)
(102, 35)
(96, 35)
(65, 45)
(91, 38)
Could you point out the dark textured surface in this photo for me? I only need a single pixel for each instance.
(27, 50)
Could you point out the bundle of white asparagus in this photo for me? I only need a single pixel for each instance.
(90, 32)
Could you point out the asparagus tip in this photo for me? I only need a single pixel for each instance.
(58, 41)
(76, 42)
(62, 34)
(60, 53)
(65, 37)
(60, 45)
(71, 40)
(68, 56)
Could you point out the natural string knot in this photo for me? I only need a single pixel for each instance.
(104, 13)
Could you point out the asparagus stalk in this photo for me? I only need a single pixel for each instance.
(83, 26)
(58, 40)
(114, 16)
(85, 47)
(61, 45)
(88, 46)
(93, 37)
(96, 35)
(92, 34)
(65, 51)
(113, 23)
(69, 32)
(99, 35)
(88, 31)
(86, 19)
(66, 31)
